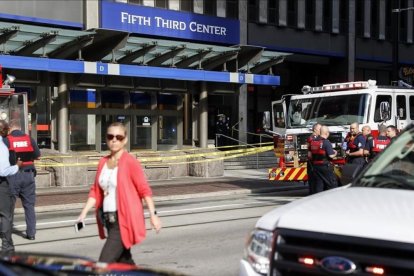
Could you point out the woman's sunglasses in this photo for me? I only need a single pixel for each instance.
(110, 137)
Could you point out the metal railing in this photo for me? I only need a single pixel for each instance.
(239, 142)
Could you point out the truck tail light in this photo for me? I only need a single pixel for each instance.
(307, 261)
(376, 270)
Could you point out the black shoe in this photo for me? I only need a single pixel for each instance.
(32, 238)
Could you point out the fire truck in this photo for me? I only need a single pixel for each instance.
(13, 105)
(336, 106)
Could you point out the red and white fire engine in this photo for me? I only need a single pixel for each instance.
(336, 106)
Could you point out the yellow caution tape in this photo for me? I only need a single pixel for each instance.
(219, 155)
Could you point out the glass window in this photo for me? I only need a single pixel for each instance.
(210, 7)
(161, 4)
(292, 13)
(232, 9)
(279, 116)
(253, 11)
(273, 11)
(374, 18)
(187, 5)
(380, 99)
(138, 2)
(359, 18)
(167, 102)
(140, 100)
(343, 16)
(167, 130)
(142, 137)
(82, 98)
(82, 132)
(310, 15)
(330, 111)
(327, 16)
(401, 107)
(412, 107)
(112, 99)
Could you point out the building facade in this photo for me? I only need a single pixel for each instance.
(169, 69)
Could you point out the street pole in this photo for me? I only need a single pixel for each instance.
(395, 39)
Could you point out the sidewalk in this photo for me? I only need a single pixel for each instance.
(233, 182)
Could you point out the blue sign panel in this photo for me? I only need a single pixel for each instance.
(83, 67)
(168, 23)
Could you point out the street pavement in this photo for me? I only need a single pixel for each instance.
(232, 182)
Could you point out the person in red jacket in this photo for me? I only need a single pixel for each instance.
(117, 193)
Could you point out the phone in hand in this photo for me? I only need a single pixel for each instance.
(79, 225)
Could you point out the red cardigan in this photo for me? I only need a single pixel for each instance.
(132, 187)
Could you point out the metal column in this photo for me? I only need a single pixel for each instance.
(203, 108)
(63, 115)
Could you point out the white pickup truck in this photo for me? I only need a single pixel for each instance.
(363, 228)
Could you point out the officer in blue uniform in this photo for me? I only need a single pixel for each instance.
(6, 197)
(323, 176)
(23, 147)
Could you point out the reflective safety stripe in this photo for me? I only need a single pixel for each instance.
(288, 174)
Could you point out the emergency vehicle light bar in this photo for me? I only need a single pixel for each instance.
(338, 86)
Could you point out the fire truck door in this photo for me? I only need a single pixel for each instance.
(402, 118)
(279, 118)
(14, 106)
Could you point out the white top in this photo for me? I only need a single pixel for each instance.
(108, 183)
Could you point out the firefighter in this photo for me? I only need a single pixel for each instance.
(356, 145)
(316, 131)
(323, 176)
(23, 147)
(378, 144)
(391, 132)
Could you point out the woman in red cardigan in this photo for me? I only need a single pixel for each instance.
(117, 193)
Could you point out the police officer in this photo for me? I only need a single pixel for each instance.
(23, 147)
(316, 131)
(222, 127)
(378, 144)
(6, 197)
(323, 175)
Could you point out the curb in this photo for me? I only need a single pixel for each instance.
(63, 207)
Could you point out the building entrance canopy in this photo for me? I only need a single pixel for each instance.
(118, 53)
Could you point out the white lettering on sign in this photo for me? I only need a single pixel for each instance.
(101, 68)
(21, 144)
(170, 24)
(207, 29)
(161, 22)
(135, 19)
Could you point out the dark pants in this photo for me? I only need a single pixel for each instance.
(24, 187)
(6, 216)
(324, 178)
(309, 169)
(359, 163)
(113, 249)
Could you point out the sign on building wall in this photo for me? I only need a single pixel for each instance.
(407, 74)
(168, 23)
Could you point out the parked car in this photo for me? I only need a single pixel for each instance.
(30, 263)
(363, 228)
